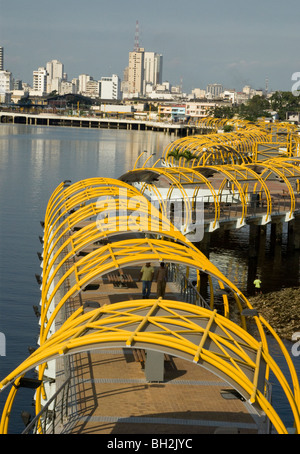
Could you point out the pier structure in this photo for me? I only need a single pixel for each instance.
(93, 122)
(185, 361)
(249, 176)
(96, 331)
(202, 199)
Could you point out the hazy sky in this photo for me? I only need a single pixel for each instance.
(233, 42)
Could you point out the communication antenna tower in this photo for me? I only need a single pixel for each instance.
(137, 37)
(267, 85)
(181, 84)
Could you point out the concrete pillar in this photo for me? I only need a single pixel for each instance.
(204, 244)
(276, 232)
(154, 366)
(254, 238)
(262, 241)
(294, 234)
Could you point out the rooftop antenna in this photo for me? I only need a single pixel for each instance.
(137, 37)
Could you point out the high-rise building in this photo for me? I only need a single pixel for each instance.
(136, 72)
(153, 68)
(55, 74)
(40, 80)
(82, 81)
(1, 59)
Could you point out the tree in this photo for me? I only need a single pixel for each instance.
(186, 154)
(255, 108)
(228, 128)
(175, 153)
(283, 102)
(223, 112)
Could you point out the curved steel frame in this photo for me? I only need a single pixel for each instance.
(194, 333)
(244, 180)
(197, 334)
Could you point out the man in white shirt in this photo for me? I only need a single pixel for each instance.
(146, 276)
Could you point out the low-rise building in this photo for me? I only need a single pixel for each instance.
(197, 110)
(172, 112)
(92, 89)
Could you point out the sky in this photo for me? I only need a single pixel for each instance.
(232, 42)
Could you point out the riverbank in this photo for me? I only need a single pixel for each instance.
(281, 310)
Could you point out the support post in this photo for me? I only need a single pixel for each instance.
(154, 366)
(294, 233)
(204, 244)
(254, 236)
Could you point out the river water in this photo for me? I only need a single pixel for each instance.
(33, 162)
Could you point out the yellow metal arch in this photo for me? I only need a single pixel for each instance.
(240, 141)
(178, 177)
(67, 198)
(271, 168)
(177, 328)
(119, 255)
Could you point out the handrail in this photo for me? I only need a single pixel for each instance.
(49, 414)
(187, 289)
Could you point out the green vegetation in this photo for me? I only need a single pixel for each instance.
(255, 108)
(259, 106)
(228, 128)
(186, 154)
(283, 102)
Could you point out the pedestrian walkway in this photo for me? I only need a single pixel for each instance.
(113, 397)
(110, 393)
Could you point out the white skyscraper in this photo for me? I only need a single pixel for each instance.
(136, 72)
(153, 68)
(55, 74)
(82, 81)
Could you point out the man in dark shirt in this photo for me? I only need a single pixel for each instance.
(161, 280)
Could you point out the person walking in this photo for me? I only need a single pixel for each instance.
(257, 285)
(146, 276)
(161, 280)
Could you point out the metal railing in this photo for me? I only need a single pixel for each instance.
(187, 290)
(46, 420)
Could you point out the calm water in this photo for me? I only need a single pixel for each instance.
(33, 161)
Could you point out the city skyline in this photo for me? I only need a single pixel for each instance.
(234, 44)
